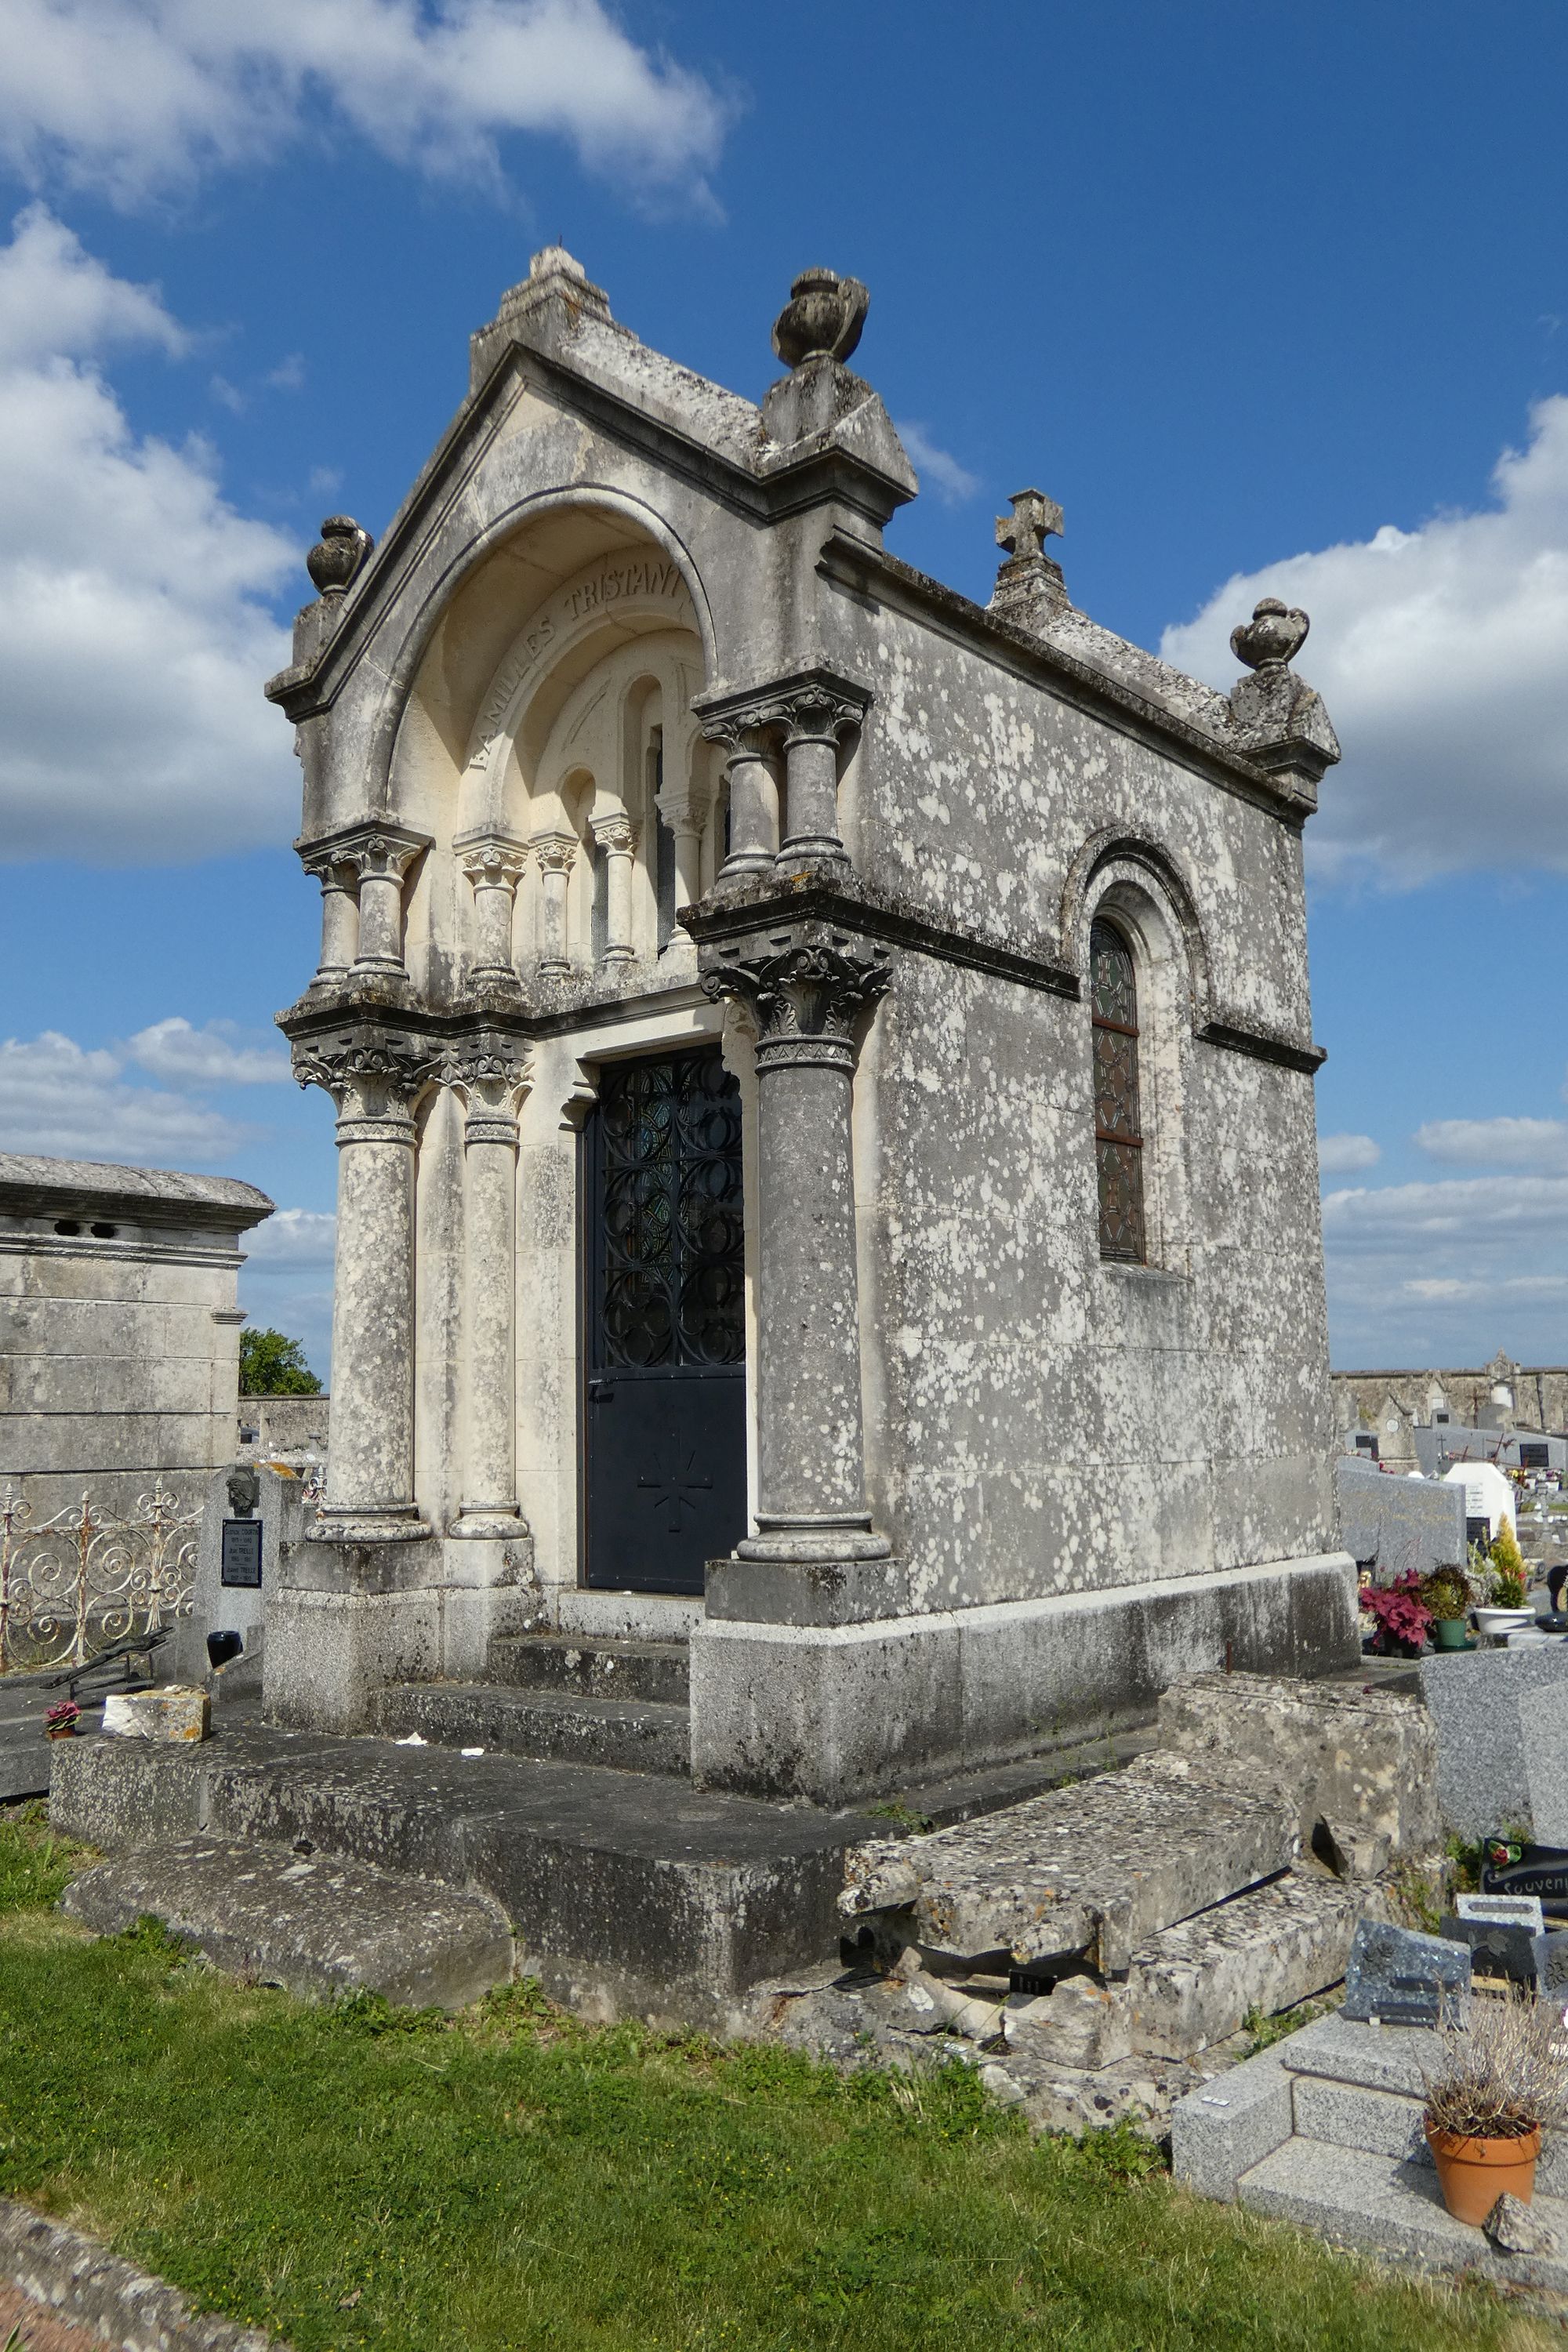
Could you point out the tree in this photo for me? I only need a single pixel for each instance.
(272, 1365)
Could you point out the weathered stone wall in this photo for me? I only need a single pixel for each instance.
(119, 1333)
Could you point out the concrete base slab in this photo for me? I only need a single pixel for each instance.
(631, 1895)
(1359, 2200)
(629, 1735)
(833, 1713)
(312, 1925)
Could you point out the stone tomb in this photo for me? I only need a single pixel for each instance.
(805, 1047)
(250, 1512)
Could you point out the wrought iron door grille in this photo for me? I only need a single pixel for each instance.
(674, 1235)
(1118, 1135)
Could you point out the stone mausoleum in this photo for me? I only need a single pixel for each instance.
(824, 1073)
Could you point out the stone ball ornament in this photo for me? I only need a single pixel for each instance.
(1274, 636)
(822, 319)
(339, 556)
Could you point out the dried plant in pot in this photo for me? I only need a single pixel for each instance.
(1495, 2082)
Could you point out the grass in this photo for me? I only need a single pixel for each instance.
(509, 2180)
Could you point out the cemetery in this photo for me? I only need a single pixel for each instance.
(741, 1601)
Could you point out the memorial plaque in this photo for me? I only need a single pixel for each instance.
(1503, 1910)
(1552, 1963)
(240, 1559)
(1396, 1977)
(1497, 1949)
(1514, 1866)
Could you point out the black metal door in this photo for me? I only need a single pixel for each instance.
(664, 1330)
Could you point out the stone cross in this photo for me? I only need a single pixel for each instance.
(1034, 519)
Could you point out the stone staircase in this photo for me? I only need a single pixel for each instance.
(1324, 2130)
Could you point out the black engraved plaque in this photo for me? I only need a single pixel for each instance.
(240, 1559)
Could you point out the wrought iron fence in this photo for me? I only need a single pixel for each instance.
(70, 1584)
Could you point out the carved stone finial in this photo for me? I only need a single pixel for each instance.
(1274, 636)
(339, 556)
(822, 319)
(1034, 519)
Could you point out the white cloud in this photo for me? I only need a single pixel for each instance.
(1497, 1142)
(953, 483)
(134, 636)
(1439, 653)
(1447, 1272)
(137, 96)
(62, 1098)
(215, 1055)
(292, 1238)
(1342, 1155)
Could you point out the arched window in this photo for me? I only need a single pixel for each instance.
(1117, 1131)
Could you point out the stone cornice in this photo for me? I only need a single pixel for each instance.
(851, 564)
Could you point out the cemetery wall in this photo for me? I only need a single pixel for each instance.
(119, 1330)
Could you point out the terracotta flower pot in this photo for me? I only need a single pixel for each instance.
(1474, 2173)
(61, 1731)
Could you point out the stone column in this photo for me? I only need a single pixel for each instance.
(816, 716)
(682, 813)
(495, 867)
(382, 856)
(489, 1076)
(374, 1077)
(806, 990)
(555, 852)
(754, 799)
(617, 837)
(339, 878)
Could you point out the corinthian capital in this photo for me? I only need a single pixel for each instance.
(490, 1072)
(805, 988)
(808, 705)
(492, 860)
(373, 1073)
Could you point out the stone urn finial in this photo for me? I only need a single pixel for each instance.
(822, 319)
(1273, 637)
(339, 556)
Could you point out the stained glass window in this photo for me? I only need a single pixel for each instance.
(1118, 1133)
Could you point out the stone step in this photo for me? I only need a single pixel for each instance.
(589, 1667)
(630, 1736)
(1195, 1984)
(1376, 2202)
(631, 1894)
(1093, 1870)
(316, 1925)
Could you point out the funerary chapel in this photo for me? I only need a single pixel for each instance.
(824, 1080)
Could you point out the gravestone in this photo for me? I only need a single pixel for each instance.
(1399, 1976)
(1511, 1867)
(1543, 1721)
(1475, 1698)
(251, 1510)
(1497, 1948)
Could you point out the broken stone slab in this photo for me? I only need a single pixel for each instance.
(317, 1926)
(1092, 1870)
(1363, 1762)
(1515, 2227)
(178, 1711)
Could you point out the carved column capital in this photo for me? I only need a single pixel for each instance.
(375, 848)
(490, 1072)
(555, 851)
(492, 861)
(810, 705)
(616, 833)
(374, 1075)
(807, 988)
(822, 711)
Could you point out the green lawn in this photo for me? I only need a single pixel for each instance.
(509, 2180)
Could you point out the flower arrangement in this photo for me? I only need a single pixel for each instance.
(1507, 1564)
(1401, 1616)
(1495, 2082)
(61, 1720)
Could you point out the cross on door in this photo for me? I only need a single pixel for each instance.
(672, 1486)
(1034, 519)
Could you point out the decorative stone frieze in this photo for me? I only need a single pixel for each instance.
(489, 1072)
(807, 988)
(375, 1075)
(616, 836)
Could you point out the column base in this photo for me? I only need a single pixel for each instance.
(813, 854)
(806, 1540)
(770, 1590)
(342, 1523)
(485, 1523)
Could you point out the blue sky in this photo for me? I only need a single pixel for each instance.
(1264, 298)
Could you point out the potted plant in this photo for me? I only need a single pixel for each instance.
(1501, 1587)
(1402, 1617)
(60, 1721)
(1447, 1593)
(1496, 2081)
